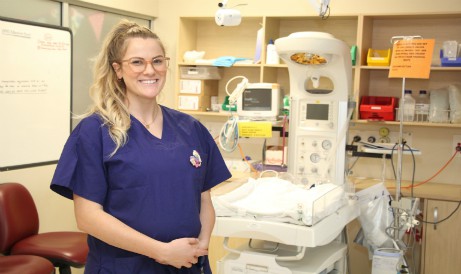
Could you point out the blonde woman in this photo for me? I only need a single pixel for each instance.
(139, 173)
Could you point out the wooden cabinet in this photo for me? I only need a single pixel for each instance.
(363, 31)
(441, 244)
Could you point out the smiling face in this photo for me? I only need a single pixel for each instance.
(148, 83)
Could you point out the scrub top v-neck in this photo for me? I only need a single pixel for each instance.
(151, 184)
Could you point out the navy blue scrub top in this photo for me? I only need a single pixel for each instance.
(151, 184)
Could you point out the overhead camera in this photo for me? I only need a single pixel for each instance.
(227, 17)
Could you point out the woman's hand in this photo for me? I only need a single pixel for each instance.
(182, 252)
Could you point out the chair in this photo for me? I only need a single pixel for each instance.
(25, 264)
(19, 235)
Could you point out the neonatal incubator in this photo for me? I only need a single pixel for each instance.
(299, 217)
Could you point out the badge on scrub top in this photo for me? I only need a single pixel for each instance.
(195, 159)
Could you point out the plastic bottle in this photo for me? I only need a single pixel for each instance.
(272, 57)
(408, 104)
(422, 107)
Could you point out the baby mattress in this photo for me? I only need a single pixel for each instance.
(275, 199)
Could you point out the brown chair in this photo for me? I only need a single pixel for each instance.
(19, 235)
(25, 264)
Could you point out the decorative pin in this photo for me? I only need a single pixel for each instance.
(195, 159)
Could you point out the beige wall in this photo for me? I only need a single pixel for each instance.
(56, 213)
(147, 8)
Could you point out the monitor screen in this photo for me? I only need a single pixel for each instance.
(317, 112)
(257, 99)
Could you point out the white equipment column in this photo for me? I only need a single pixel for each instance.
(320, 71)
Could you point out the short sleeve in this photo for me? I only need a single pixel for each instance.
(80, 169)
(217, 171)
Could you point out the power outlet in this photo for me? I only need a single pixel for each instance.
(456, 141)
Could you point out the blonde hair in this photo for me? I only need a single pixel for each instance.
(107, 91)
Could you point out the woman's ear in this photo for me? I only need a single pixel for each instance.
(117, 69)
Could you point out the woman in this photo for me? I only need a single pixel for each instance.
(139, 173)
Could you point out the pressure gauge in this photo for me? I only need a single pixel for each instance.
(315, 158)
(384, 135)
(383, 132)
(326, 144)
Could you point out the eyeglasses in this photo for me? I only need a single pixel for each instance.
(138, 64)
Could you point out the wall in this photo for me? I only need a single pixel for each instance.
(146, 8)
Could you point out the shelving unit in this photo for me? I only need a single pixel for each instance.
(365, 31)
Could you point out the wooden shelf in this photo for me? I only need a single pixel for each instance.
(411, 124)
(363, 31)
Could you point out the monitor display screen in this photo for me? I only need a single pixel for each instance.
(257, 99)
(317, 112)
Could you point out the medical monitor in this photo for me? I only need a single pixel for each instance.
(260, 101)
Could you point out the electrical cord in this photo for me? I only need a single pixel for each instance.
(435, 175)
(444, 219)
(413, 185)
(414, 165)
(283, 138)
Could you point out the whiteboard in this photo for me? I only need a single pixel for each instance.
(35, 93)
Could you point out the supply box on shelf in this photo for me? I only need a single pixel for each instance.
(201, 73)
(449, 62)
(378, 57)
(199, 87)
(196, 94)
(194, 102)
(378, 108)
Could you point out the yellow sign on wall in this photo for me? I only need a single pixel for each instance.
(259, 129)
(412, 58)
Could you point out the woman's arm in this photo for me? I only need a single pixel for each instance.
(207, 218)
(92, 219)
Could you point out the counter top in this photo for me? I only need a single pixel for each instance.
(438, 191)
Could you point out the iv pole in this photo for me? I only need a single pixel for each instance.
(397, 203)
(401, 144)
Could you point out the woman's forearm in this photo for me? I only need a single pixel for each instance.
(207, 218)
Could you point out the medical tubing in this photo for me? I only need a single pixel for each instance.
(229, 133)
(237, 92)
(435, 175)
(244, 158)
(283, 139)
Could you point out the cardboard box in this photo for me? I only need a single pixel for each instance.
(199, 87)
(276, 155)
(203, 73)
(194, 102)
